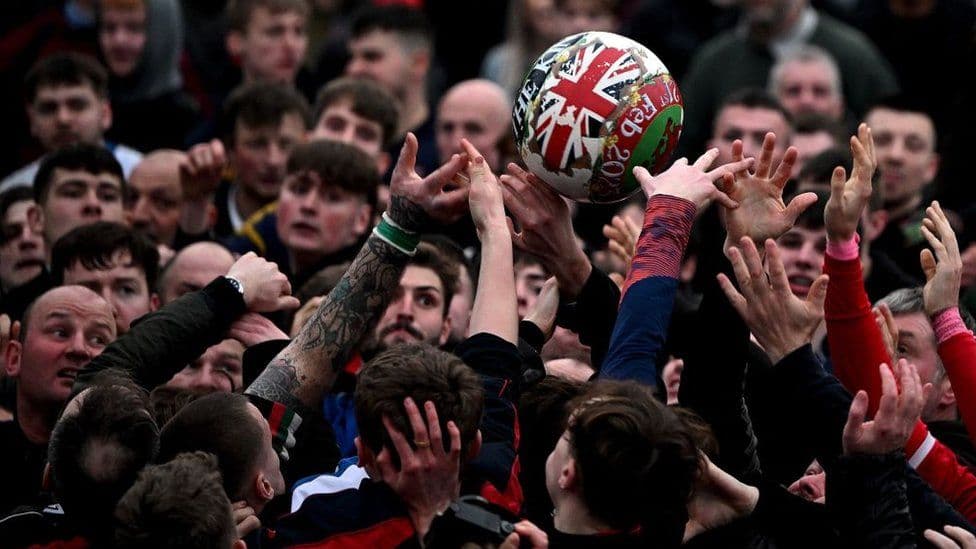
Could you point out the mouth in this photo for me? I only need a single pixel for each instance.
(304, 228)
(800, 285)
(68, 373)
(401, 332)
(28, 263)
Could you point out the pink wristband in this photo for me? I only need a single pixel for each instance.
(845, 251)
(947, 324)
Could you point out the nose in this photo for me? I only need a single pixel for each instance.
(808, 488)
(139, 214)
(92, 205)
(404, 308)
(64, 116)
(809, 256)
(277, 156)
(356, 66)
(78, 350)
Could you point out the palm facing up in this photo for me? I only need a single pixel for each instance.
(762, 213)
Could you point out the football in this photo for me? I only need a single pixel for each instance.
(594, 106)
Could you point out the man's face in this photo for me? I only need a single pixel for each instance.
(904, 143)
(765, 18)
(65, 115)
(193, 268)
(260, 155)
(807, 87)
(379, 56)
(802, 251)
(273, 46)
(750, 125)
(917, 344)
(122, 284)
(460, 308)
(474, 117)
(529, 279)
(220, 368)
(577, 16)
(21, 249)
(76, 198)
(338, 122)
(122, 37)
(318, 218)
(67, 327)
(416, 313)
(154, 200)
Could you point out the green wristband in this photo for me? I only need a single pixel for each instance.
(395, 236)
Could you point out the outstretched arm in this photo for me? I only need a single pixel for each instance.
(306, 369)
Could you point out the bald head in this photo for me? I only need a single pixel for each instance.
(63, 330)
(477, 110)
(193, 268)
(155, 196)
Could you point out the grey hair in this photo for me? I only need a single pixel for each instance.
(806, 53)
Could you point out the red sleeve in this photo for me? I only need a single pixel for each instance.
(856, 350)
(958, 354)
(856, 347)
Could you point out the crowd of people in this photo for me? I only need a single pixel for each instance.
(272, 275)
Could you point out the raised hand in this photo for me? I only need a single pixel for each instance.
(762, 213)
(485, 193)
(886, 325)
(622, 235)
(943, 269)
(954, 538)
(419, 203)
(526, 535)
(849, 196)
(545, 228)
(244, 518)
(692, 182)
(719, 499)
(543, 314)
(201, 173)
(252, 328)
(266, 288)
(780, 321)
(428, 478)
(898, 411)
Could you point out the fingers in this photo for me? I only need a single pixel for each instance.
(855, 418)
(889, 394)
(766, 156)
(817, 295)
(731, 168)
(785, 169)
(725, 200)
(420, 434)
(735, 298)
(288, 303)
(935, 243)
(777, 273)
(407, 161)
(445, 174)
(645, 179)
(532, 533)
(753, 260)
(434, 428)
(399, 441)
(741, 271)
(939, 541)
(838, 179)
(737, 148)
(929, 265)
(962, 536)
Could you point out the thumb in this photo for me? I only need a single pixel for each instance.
(798, 205)
(818, 292)
(837, 180)
(929, 265)
(287, 303)
(855, 417)
(645, 179)
(408, 156)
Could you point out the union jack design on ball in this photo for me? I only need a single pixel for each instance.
(594, 106)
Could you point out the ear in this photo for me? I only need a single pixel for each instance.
(567, 476)
(475, 448)
(366, 458)
(933, 168)
(948, 398)
(105, 117)
(235, 45)
(12, 356)
(420, 62)
(35, 218)
(263, 487)
(153, 302)
(363, 220)
(239, 544)
(445, 329)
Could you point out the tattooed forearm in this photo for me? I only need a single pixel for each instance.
(307, 367)
(408, 215)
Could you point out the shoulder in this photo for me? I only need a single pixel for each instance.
(24, 177)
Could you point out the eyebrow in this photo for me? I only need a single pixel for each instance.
(426, 289)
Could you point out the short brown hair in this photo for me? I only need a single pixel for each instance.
(239, 11)
(177, 504)
(429, 256)
(636, 459)
(339, 164)
(423, 373)
(218, 423)
(368, 98)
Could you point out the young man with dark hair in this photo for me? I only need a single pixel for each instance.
(262, 123)
(67, 103)
(115, 262)
(748, 115)
(268, 38)
(358, 112)
(324, 210)
(177, 505)
(22, 251)
(393, 46)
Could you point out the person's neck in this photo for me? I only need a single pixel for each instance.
(247, 203)
(415, 112)
(900, 211)
(35, 420)
(572, 517)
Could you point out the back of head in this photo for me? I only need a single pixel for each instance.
(180, 504)
(66, 69)
(424, 374)
(637, 459)
(409, 25)
(218, 423)
(339, 164)
(96, 452)
(95, 246)
(165, 401)
(93, 159)
(366, 98)
(756, 98)
(260, 105)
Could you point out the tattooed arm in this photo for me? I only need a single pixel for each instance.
(305, 370)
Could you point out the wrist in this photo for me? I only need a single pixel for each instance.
(778, 351)
(571, 274)
(391, 232)
(947, 323)
(844, 248)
